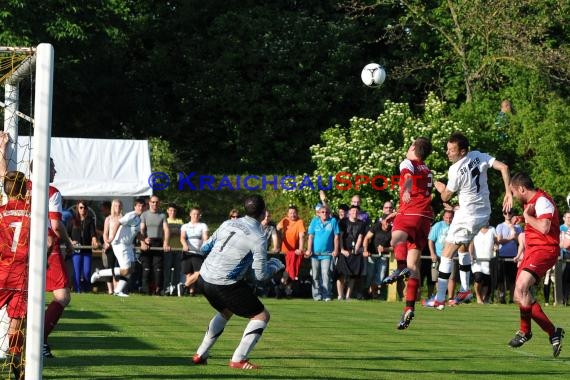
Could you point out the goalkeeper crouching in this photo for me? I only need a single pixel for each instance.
(237, 245)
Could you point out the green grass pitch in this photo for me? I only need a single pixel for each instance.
(141, 337)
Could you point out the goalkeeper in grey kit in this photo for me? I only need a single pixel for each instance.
(237, 245)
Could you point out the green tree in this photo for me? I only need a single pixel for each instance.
(376, 147)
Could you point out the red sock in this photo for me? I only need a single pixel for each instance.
(541, 319)
(16, 342)
(411, 292)
(401, 252)
(53, 313)
(526, 313)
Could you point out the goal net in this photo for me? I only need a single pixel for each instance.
(26, 82)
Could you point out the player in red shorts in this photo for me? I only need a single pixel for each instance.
(14, 249)
(542, 241)
(412, 222)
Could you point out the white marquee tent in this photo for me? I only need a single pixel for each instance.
(96, 169)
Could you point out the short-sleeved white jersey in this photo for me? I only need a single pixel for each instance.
(194, 233)
(130, 226)
(468, 178)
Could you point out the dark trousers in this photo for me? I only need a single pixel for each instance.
(152, 267)
(171, 268)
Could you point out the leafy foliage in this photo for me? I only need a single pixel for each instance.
(376, 147)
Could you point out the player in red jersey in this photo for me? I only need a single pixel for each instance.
(412, 222)
(57, 281)
(14, 249)
(542, 241)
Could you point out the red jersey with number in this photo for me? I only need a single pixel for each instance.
(544, 208)
(420, 195)
(14, 233)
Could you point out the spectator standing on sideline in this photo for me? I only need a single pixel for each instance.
(436, 242)
(377, 243)
(482, 249)
(412, 222)
(542, 247)
(323, 244)
(362, 215)
(82, 232)
(292, 231)
(467, 176)
(107, 256)
(234, 213)
(235, 247)
(271, 234)
(350, 264)
(172, 259)
(192, 235)
(122, 235)
(155, 232)
(508, 234)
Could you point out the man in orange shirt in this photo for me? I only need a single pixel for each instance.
(292, 230)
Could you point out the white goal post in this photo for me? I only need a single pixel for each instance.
(40, 59)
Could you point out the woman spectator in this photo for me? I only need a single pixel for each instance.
(81, 230)
(110, 222)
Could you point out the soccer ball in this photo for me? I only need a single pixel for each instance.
(373, 75)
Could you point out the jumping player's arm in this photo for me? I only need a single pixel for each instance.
(504, 169)
(446, 194)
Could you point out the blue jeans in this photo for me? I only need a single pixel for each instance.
(321, 272)
(82, 268)
(376, 270)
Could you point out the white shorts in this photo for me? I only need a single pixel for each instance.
(125, 255)
(481, 266)
(463, 228)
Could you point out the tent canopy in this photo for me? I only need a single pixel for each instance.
(97, 169)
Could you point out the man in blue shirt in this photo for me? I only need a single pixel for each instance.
(323, 245)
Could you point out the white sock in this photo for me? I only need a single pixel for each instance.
(464, 276)
(251, 335)
(109, 272)
(445, 266)
(121, 286)
(215, 329)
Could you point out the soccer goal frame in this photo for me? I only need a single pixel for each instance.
(39, 64)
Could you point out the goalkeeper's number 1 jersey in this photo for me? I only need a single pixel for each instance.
(237, 245)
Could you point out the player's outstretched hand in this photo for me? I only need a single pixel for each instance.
(508, 202)
(275, 265)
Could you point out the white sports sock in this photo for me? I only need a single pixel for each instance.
(121, 286)
(251, 335)
(109, 272)
(445, 266)
(464, 276)
(215, 329)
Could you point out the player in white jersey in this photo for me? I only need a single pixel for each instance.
(467, 176)
(122, 236)
(235, 247)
